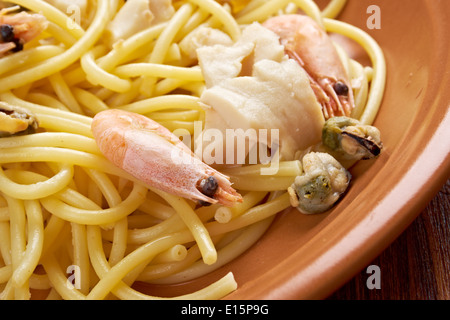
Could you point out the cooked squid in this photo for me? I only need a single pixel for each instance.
(252, 85)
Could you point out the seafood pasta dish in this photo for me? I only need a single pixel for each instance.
(151, 142)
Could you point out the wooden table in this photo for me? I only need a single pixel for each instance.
(417, 265)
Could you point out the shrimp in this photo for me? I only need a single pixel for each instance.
(155, 156)
(18, 29)
(307, 43)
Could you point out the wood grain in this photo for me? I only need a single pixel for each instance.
(417, 265)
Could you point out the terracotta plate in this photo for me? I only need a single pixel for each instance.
(309, 257)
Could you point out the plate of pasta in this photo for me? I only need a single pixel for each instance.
(201, 149)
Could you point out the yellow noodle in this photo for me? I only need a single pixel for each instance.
(59, 280)
(159, 271)
(174, 125)
(165, 86)
(98, 76)
(229, 23)
(226, 254)
(54, 228)
(17, 220)
(164, 41)
(225, 214)
(255, 214)
(42, 110)
(194, 224)
(46, 100)
(36, 154)
(362, 92)
(96, 216)
(28, 57)
(110, 277)
(157, 209)
(81, 256)
(61, 35)
(32, 254)
(189, 115)
(4, 214)
(34, 185)
(164, 103)
(285, 168)
(159, 70)
(198, 17)
(378, 61)
(58, 124)
(64, 93)
(5, 273)
(262, 183)
(177, 253)
(123, 49)
(89, 101)
(52, 139)
(333, 8)
(271, 7)
(112, 196)
(5, 243)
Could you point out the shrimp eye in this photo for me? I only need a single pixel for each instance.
(7, 33)
(208, 187)
(340, 88)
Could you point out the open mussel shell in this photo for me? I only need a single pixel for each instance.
(15, 120)
(348, 139)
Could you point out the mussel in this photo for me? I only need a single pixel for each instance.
(321, 184)
(349, 139)
(15, 120)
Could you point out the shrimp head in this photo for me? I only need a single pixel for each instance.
(307, 43)
(19, 28)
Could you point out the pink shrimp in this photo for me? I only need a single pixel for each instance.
(18, 29)
(307, 43)
(152, 154)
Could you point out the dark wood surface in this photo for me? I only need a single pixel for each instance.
(416, 266)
